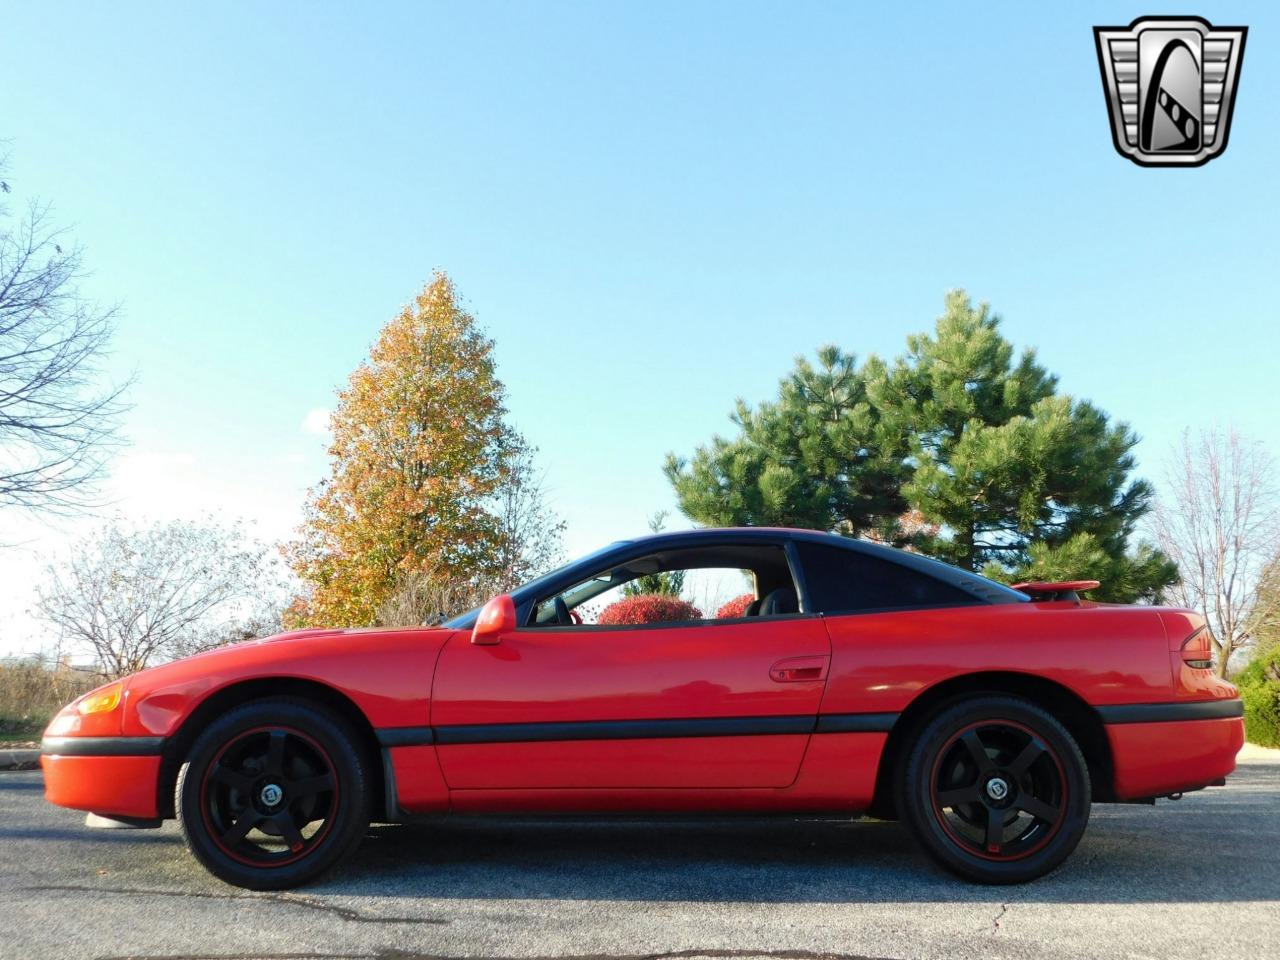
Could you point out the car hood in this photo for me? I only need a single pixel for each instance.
(370, 637)
(299, 645)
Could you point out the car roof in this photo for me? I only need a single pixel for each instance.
(981, 587)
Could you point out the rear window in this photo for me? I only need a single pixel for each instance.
(847, 581)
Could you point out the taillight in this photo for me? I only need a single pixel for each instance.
(1197, 651)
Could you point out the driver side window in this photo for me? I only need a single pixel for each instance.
(679, 586)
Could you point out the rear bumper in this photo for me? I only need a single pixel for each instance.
(113, 776)
(1160, 757)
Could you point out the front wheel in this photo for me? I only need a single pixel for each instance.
(996, 790)
(273, 794)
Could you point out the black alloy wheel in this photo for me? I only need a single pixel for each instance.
(996, 790)
(273, 794)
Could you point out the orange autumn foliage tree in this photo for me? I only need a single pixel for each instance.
(420, 445)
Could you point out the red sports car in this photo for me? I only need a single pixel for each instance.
(858, 680)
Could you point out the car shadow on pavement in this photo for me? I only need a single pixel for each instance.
(1211, 846)
(1214, 846)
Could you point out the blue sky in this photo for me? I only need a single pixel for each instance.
(652, 209)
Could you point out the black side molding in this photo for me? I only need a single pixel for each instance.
(856, 722)
(404, 736)
(623, 729)
(102, 746)
(1171, 712)
(659, 729)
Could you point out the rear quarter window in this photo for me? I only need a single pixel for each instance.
(847, 581)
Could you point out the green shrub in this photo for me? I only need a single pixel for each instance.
(1260, 691)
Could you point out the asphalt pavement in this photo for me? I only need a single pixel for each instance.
(1199, 879)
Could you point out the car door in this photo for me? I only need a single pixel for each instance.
(694, 704)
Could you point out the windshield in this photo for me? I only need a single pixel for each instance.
(468, 619)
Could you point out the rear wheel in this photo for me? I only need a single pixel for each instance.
(996, 790)
(273, 794)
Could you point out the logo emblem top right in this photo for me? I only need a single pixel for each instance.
(1170, 84)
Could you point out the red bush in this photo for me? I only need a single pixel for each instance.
(649, 608)
(737, 607)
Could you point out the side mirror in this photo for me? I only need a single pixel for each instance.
(497, 617)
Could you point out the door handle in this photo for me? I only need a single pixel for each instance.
(797, 669)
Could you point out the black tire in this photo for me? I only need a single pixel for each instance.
(273, 794)
(1009, 818)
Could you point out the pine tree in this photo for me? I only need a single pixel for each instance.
(420, 448)
(1004, 463)
(668, 583)
(819, 456)
(1001, 472)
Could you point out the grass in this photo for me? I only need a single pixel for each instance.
(32, 691)
(22, 729)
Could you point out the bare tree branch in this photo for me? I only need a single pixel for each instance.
(531, 534)
(1221, 526)
(134, 596)
(57, 420)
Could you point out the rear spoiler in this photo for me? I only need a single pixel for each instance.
(1063, 590)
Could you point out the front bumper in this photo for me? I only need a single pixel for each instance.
(113, 776)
